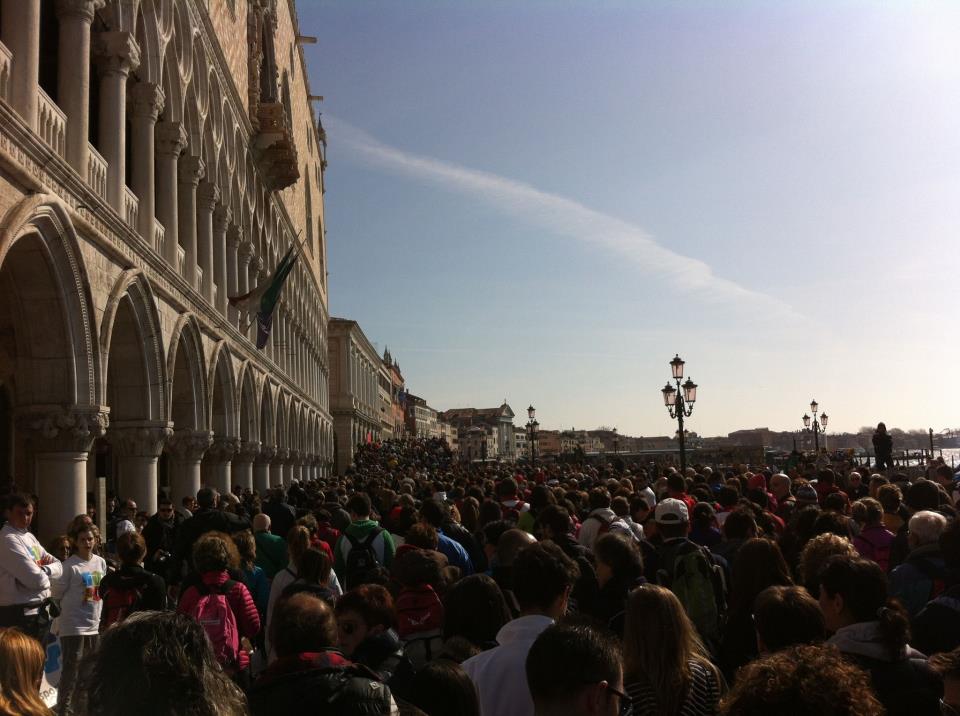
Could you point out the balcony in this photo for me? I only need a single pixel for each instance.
(6, 59)
(131, 208)
(51, 123)
(276, 154)
(96, 172)
(159, 233)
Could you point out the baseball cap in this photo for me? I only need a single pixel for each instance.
(671, 511)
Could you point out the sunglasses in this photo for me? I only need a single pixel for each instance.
(948, 709)
(626, 705)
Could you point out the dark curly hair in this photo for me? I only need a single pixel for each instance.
(802, 681)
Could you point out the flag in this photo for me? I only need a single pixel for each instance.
(261, 301)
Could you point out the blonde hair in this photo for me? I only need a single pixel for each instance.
(659, 644)
(21, 671)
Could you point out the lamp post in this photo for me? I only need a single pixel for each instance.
(533, 428)
(679, 402)
(815, 425)
(616, 442)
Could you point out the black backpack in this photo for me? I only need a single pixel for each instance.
(362, 565)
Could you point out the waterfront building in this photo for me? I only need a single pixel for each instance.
(156, 157)
(354, 389)
(499, 419)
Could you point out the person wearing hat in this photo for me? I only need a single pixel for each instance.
(807, 495)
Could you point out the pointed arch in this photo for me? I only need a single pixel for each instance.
(187, 376)
(222, 416)
(249, 413)
(267, 412)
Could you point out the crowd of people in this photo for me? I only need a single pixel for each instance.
(415, 584)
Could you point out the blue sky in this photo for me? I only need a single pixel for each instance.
(545, 201)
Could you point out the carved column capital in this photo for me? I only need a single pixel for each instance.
(280, 455)
(223, 449)
(80, 9)
(221, 218)
(235, 238)
(208, 194)
(249, 451)
(60, 429)
(147, 100)
(171, 138)
(190, 169)
(144, 439)
(267, 454)
(116, 52)
(186, 444)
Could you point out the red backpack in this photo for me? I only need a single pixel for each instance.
(120, 602)
(215, 615)
(419, 609)
(512, 514)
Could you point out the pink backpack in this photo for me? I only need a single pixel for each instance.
(215, 615)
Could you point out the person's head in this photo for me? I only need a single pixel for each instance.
(21, 671)
(676, 484)
(510, 544)
(423, 536)
(740, 525)
(474, 608)
(881, 428)
(131, 548)
(362, 612)
(923, 495)
(599, 498)
(890, 498)
(84, 541)
(442, 686)
(758, 564)
(659, 642)
(542, 579)
(780, 486)
(554, 522)
(925, 527)
(207, 498)
(802, 681)
(302, 623)
(947, 665)
(944, 475)
(158, 663)
(298, 542)
(359, 506)
(703, 516)
(574, 669)
(872, 511)
(165, 508)
(261, 522)
(20, 510)
(215, 552)
(433, 513)
(815, 554)
(313, 567)
(618, 557)
(787, 616)
(854, 590)
(60, 547)
(672, 518)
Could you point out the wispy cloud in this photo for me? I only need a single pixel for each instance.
(560, 215)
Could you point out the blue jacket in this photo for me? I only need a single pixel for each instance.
(455, 553)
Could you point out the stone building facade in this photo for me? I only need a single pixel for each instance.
(498, 419)
(354, 389)
(157, 156)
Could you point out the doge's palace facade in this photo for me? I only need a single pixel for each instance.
(156, 156)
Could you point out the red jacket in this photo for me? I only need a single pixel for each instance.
(244, 610)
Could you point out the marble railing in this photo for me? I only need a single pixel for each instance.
(131, 208)
(51, 123)
(96, 171)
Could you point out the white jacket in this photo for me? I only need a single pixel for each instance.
(22, 581)
(500, 673)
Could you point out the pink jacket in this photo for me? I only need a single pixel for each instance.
(244, 609)
(874, 543)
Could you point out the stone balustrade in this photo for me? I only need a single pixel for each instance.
(96, 172)
(181, 259)
(131, 208)
(6, 59)
(51, 123)
(159, 234)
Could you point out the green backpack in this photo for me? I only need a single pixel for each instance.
(698, 582)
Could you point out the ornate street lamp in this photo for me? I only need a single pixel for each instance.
(679, 403)
(533, 428)
(815, 425)
(616, 442)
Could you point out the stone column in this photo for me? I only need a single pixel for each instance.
(73, 76)
(117, 53)
(234, 239)
(191, 171)
(170, 141)
(186, 449)
(207, 196)
(261, 469)
(276, 467)
(21, 34)
(221, 220)
(218, 463)
(147, 102)
(137, 447)
(60, 439)
(243, 464)
(289, 466)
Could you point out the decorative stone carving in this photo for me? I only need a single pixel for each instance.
(223, 449)
(83, 9)
(189, 445)
(145, 439)
(59, 429)
(280, 455)
(221, 218)
(147, 100)
(191, 169)
(208, 194)
(171, 139)
(116, 52)
(267, 454)
(249, 451)
(277, 156)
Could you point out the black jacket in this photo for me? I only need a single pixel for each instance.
(383, 654)
(152, 587)
(936, 628)
(322, 682)
(206, 519)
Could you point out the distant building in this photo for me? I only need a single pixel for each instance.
(421, 419)
(498, 419)
(398, 405)
(354, 391)
(522, 450)
(449, 433)
(479, 442)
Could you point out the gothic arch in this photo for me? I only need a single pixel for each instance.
(39, 246)
(249, 430)
(221, 392)
(187, 376)
(267, 433)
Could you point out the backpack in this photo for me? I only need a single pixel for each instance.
(215, 615)
(512, 514)
(881, 553)
(362, 565)
(120, 602)
(604, 524)
(420, 623)
(698, 582)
